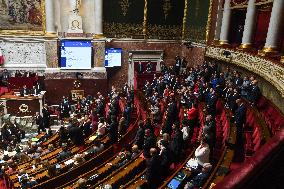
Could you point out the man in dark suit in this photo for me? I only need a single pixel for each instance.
(254, 93)
(177, 65)
(76, 134)
(200, 178)
(25, 91)
(5, 77)
(153, 169)
(177, 142)
(39, 122)
(34, 91)
(240, 118)
(139, 139)
(113, 130)
(46, 116)
(64, 108)
(140, 68)
(149, 142)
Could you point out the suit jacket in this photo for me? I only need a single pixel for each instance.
(39, 120)
(177, 142)
(46, 117)
(140, 68)
(76, 135)
(153, 169)
(34, 92)
(139, 139)
(113, 132)
(24, 92)
(240, 115)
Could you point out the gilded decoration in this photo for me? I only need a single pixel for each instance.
(23, 17)
(185, 12)
(51, 54)
(197, 34)
(99, 53)
(167, 7)
(164, 32)
(124, 5)
(122, 30)
(270, 71)
(238, 3)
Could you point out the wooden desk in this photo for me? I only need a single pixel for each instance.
(22, 106)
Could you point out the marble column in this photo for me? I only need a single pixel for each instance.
(65, 10)
(50, 18)
(219, 21)
(247, 39)
(274, 29)
(57, 15)
(225, 28)
(98, 19)
(88, 15)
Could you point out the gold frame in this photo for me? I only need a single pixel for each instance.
(209, 22)
(76, 93)
(29, 32)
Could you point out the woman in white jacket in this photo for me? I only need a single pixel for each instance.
(202, 153)
(201, 156)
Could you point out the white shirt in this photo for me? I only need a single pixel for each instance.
(202, 154)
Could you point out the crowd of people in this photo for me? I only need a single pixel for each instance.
(176, 87)
(90, 116)
(179, 86)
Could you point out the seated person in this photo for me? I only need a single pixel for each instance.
(34, 91)
(18, 73)
(64, 154)
(200, 178)
(98, 147)
(24, 91)
(201, 156)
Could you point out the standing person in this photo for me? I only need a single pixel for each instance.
(39, 122)
(177, 141)
(153, 169)
(46, 116)
(113, 130)
(177, 65)
(240, 118)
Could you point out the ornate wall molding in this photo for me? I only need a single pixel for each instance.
(22, 54)
(267, 69)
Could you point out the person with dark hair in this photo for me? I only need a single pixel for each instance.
(113, 130)
(64, 154)
(39, 122)
(177, 141)
(139, 139)
(46, 116)
(254, 93)
(149, 142)
(200, 178)
(240, 118)
(153, 169)
(192, 115)
(64, 136)
(64, 108)
(76, 135)
(165, 157)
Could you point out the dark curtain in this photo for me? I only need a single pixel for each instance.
(262, 24)
(237, 27)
